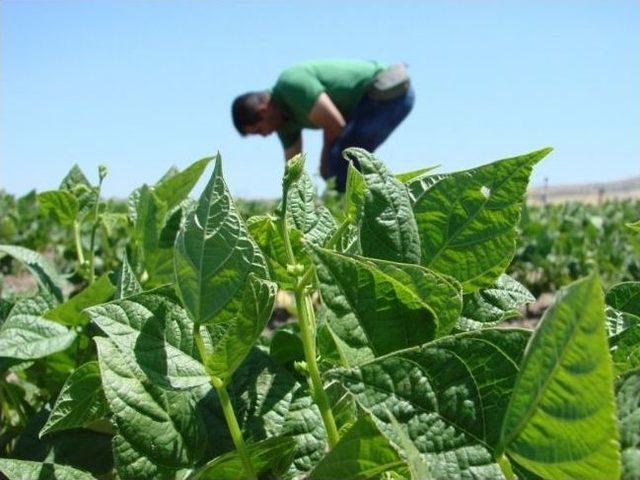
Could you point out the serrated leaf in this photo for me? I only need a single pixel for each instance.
(388, 230)
(449, 396)
(625, 297)
(236, 338)
(24, 470)
(314, 221)
(39, 266)
(28, 337)
(377, 307)
(71, 312)
(173, 189)
(362, 453)
(270, 459)
(467, 220)
(156, 334)
(155, 426)
(80, 402)
(214, 255)
(62, 204)
(628, 402)
(561, 418)
(126, 282)
(491, 306)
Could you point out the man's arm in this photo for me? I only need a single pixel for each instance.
(294, 149)
(326, 115)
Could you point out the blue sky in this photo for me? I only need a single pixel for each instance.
(143, 85)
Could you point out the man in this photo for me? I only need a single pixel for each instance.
(355, 103)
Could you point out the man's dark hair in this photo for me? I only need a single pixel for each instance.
(244, 109)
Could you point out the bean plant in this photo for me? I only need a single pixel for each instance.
(398, 364)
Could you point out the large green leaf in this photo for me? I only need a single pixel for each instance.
(214, 255)
(155, 333)
(158, 430)
(314, 221)
(26, 470)
(71, 312)
(625, 297)
(126, 282)
(388, 230)
(449, 397)
(491, 306)
(174, 188)
(561, 418)
(80, 402)
(237, 337)
(628, 400)
(62, 204)
(270, 459)
(39, 266)
(362, 453)
(376, 307)
(27, 337)
(467, 220)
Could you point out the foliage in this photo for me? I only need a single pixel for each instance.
(145, 353)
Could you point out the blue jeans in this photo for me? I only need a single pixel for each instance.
(369, 125)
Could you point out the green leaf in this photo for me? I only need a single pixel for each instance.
(355, 195)
(39, 266)
(362, 453)
(126, 282)
(214, 255)
(467, 220)
(388, 230)
(80, 402)
(618, 322)
(286, 347)
(153, 332)
(158, 430)
(491, 306)
(314, 221)
(377, 307)
(625, 349)
(628, 402)
(37, 305)
(74, 178)
(71, 312)
(561, 417)
(62, 204)
(175, 188)
(408, 176)
(449, 396)
(27, 337)
(23, 470)
(625, 297)
(634, 226)
(264, 230)
(112, 221)
(234, 340)
(270, 459)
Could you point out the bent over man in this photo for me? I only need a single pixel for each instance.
(355, 103)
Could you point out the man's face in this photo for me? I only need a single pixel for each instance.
(268, 123)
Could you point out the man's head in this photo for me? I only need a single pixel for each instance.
(255, 113)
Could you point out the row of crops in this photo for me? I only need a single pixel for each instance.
(135, 337)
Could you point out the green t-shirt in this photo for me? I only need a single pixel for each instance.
(298, 88)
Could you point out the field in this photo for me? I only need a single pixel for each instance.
(374, 335)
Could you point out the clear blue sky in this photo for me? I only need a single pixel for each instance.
(142, 85)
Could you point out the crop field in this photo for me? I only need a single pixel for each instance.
(141, 339)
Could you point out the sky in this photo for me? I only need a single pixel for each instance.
(143, 85)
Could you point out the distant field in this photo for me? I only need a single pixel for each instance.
(586, 193)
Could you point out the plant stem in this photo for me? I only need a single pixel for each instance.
(227, 409)
(94, 228)
(306, 317)
(76, 236)
(307, 321)
(236, 433)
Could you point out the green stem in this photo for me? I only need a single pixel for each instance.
(76, 236)
(94, 229)
(227, 409)
(306, 318)
(505, 466)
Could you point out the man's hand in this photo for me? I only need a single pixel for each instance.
(326, 115)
